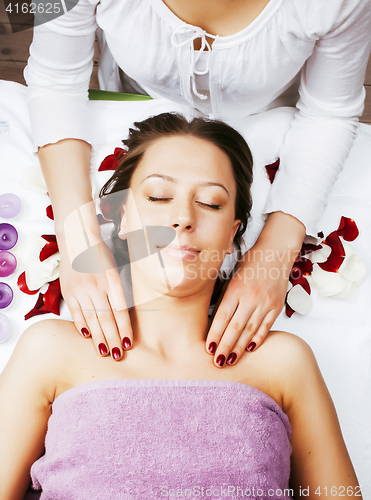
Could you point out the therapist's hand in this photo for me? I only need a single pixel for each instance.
(255, 295)
(96, 300)
(97, 304)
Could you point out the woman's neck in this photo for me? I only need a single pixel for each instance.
(171, 327)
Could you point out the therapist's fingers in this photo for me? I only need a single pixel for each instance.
(93, 324)
(243, 336)
(119, 308)
(98, 306)
(77, 316)
(235, 329)
(106, 326)
(266, 324)
(221, 316)
(252, 337)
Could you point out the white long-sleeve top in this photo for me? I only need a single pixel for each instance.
(328, 41)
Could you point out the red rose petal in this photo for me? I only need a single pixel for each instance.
(49, 237)
(106, 210)
(111, 162)
(302, 266)
(334, 242)
(107, 163)
(120, 152)
(37, 309)
(308, 248)
(49, 249)
(289, 311)
(34, 312)
(22, 285)
(49, 212)
(52, 297)
(47, 302)
(302, 281)
(332, 264)
(272, 170)
(295, 272)
(336, 256)
(348, 229)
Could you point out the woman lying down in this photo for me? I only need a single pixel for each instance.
(165, 421)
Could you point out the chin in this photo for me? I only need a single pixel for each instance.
(174, 280)
(153, 278)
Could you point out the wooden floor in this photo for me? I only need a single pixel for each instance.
(14, 53)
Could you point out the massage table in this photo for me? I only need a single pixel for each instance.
(338, 332)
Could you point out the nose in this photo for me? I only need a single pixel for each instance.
(182, 217)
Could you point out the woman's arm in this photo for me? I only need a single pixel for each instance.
(27, 387)
(57, 76)
(255, 295)
(96, 300)
(311, 158)
(331, 100)
(320, 462)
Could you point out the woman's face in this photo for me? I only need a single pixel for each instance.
(186, 184)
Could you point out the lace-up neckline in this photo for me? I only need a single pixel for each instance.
(186, 35)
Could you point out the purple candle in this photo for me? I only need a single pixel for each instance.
(10, 205)
(4, 328)
(6, 295)
(8, 236)
(8, 264)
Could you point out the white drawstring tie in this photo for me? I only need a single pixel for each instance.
(193, 33)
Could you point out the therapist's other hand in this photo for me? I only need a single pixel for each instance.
(97, 304)
(253, 298)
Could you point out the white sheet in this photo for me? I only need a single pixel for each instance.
(338, 332)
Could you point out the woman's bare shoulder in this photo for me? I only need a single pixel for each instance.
(44, 329)
(286, 346)
(284, 352)
(50, 338)
(43, 352)
(284, 361)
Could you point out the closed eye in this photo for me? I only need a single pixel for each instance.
(152, 198)
(214, 207)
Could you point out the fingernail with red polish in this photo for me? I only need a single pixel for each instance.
(212, 347)
(85, 332)
(220, 360)
(126, 344)
(116, 353)
(102, 349)
(251, 346)
(232, 358)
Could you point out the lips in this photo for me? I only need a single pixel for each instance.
(180, 252)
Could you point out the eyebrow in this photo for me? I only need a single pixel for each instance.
(170, 179)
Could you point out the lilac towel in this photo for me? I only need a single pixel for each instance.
(144, 439)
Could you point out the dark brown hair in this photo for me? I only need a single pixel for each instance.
(168, 125)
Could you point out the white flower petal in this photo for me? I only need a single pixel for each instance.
(38, 273)
(312, 240)
(55, 274)
(299, 300)
(328, 284)
(289, 286)
(28, 250)
(35, 276)
(51, 262)
(347, 294)
(349, 250)
(320, 255)
(353, 269)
